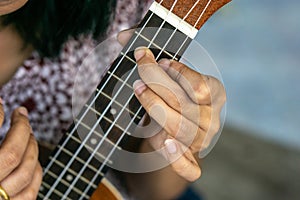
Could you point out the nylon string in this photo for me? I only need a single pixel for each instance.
(77, 124)
(124, 132)
(132, 120)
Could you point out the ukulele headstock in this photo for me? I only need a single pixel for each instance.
(194, 12)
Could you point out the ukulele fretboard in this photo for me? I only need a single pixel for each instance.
(107, 121)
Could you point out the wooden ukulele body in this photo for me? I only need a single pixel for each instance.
(106, 191)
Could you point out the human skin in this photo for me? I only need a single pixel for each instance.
(8, 6)
(20, 171)
(191, 103)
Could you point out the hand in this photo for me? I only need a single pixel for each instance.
(185, 104)
(20, 171)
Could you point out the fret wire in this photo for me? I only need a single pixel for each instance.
(130, 59)
(75, 127)
(157, 57)
(111, 126)
(176, 28)
(60, 164)
(199, 18)
(79, 159)
(97, 133)
(57, 192)
(105, 136)
(149, 18)
(110, 121)
(116, 102)
(119, 79)
(136, 66)
(78, 191)
(86, 146)
(72, 171)
(131, 73)
(93, 101)
(194, 27)
(174, 56)
(156, 45)
(102, 166)
(114, 70)
(41, 195)
(114, 148)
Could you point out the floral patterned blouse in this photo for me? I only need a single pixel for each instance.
(44, 86)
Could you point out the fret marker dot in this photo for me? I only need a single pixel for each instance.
(69, 177)
(113, 111)
(94, 141)
(42, 188)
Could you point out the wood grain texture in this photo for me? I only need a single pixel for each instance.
(183, 7)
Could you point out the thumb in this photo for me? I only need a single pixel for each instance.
(143, 56)
(124, 36)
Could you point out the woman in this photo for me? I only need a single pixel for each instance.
(43, 43)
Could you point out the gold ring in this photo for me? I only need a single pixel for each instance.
(3, 194)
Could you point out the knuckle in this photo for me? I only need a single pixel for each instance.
(146, 69)
(181, 71)
(12, 158)
(151, 102)
(201, 91)
(26, 177)
(179, 130)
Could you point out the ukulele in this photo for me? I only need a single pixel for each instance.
(75, 169)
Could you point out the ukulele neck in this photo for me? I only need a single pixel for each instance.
(80, 160)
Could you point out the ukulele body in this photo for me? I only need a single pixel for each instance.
(106, 191)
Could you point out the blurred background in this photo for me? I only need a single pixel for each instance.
(256, 46)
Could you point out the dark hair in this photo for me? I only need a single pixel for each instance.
(47, 24)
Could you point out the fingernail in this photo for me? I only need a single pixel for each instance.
(139, 87)
(140, 52)
(23, 111)
(1, 101)
(164, 63)
(171, 146)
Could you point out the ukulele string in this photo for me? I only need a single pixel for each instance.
(120, 113)
(198, 20)
(98, 121)
(59, 150)
(165, 45)
(132, 120)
